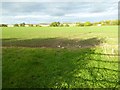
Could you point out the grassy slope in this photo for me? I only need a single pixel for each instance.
(62, 32)
(53, 66)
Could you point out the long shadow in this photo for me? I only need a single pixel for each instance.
(52, 43)
(107, 54)
(99, 60)
(56, 63)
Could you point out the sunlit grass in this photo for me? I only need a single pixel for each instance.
(63, 57)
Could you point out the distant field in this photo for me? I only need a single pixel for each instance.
(59, 57)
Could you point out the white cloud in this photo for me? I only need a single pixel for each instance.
(64, 12)
(60, 1)
(31, 16)
(88, 15)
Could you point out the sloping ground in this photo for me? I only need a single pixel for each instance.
(44, 63)
(59, 68)
(74, 60)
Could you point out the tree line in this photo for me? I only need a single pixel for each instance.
(78, 24)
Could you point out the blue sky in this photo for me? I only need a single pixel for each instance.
(46, 12)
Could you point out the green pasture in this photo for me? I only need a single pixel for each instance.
(60, 57)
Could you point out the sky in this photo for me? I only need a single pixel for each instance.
(54, 11)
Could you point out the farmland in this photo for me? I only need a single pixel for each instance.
(60, 57)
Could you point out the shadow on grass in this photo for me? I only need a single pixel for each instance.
(52, 43)
(55, 67)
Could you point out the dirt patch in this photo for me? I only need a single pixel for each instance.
(53, 43)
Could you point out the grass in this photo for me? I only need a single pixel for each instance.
(63, 57)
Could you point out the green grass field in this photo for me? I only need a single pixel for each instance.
(60, 57)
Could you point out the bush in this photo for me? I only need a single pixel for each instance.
(30, 25)
(87, 24)
(115, 22)
(3, 25)
(16, 25)
(78, 24)
(38, 25)
(22, 24)
(55, 24)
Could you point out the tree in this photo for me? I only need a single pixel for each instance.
(78, 24)
(108, 22)
(55, 24)
(3, 25)
(16, 25)
(87, 24)
(22, 24)
(37, 25)
(114, 22)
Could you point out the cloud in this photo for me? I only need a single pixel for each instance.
(54, 11)
(60, 1)
(31, 16)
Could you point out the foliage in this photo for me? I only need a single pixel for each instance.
(88, 24)
(22, 24)
(79, 24)
(55, 24)
(114, 22)
(118, 22)
(16, 25)
(3, 25)
(61, 25)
